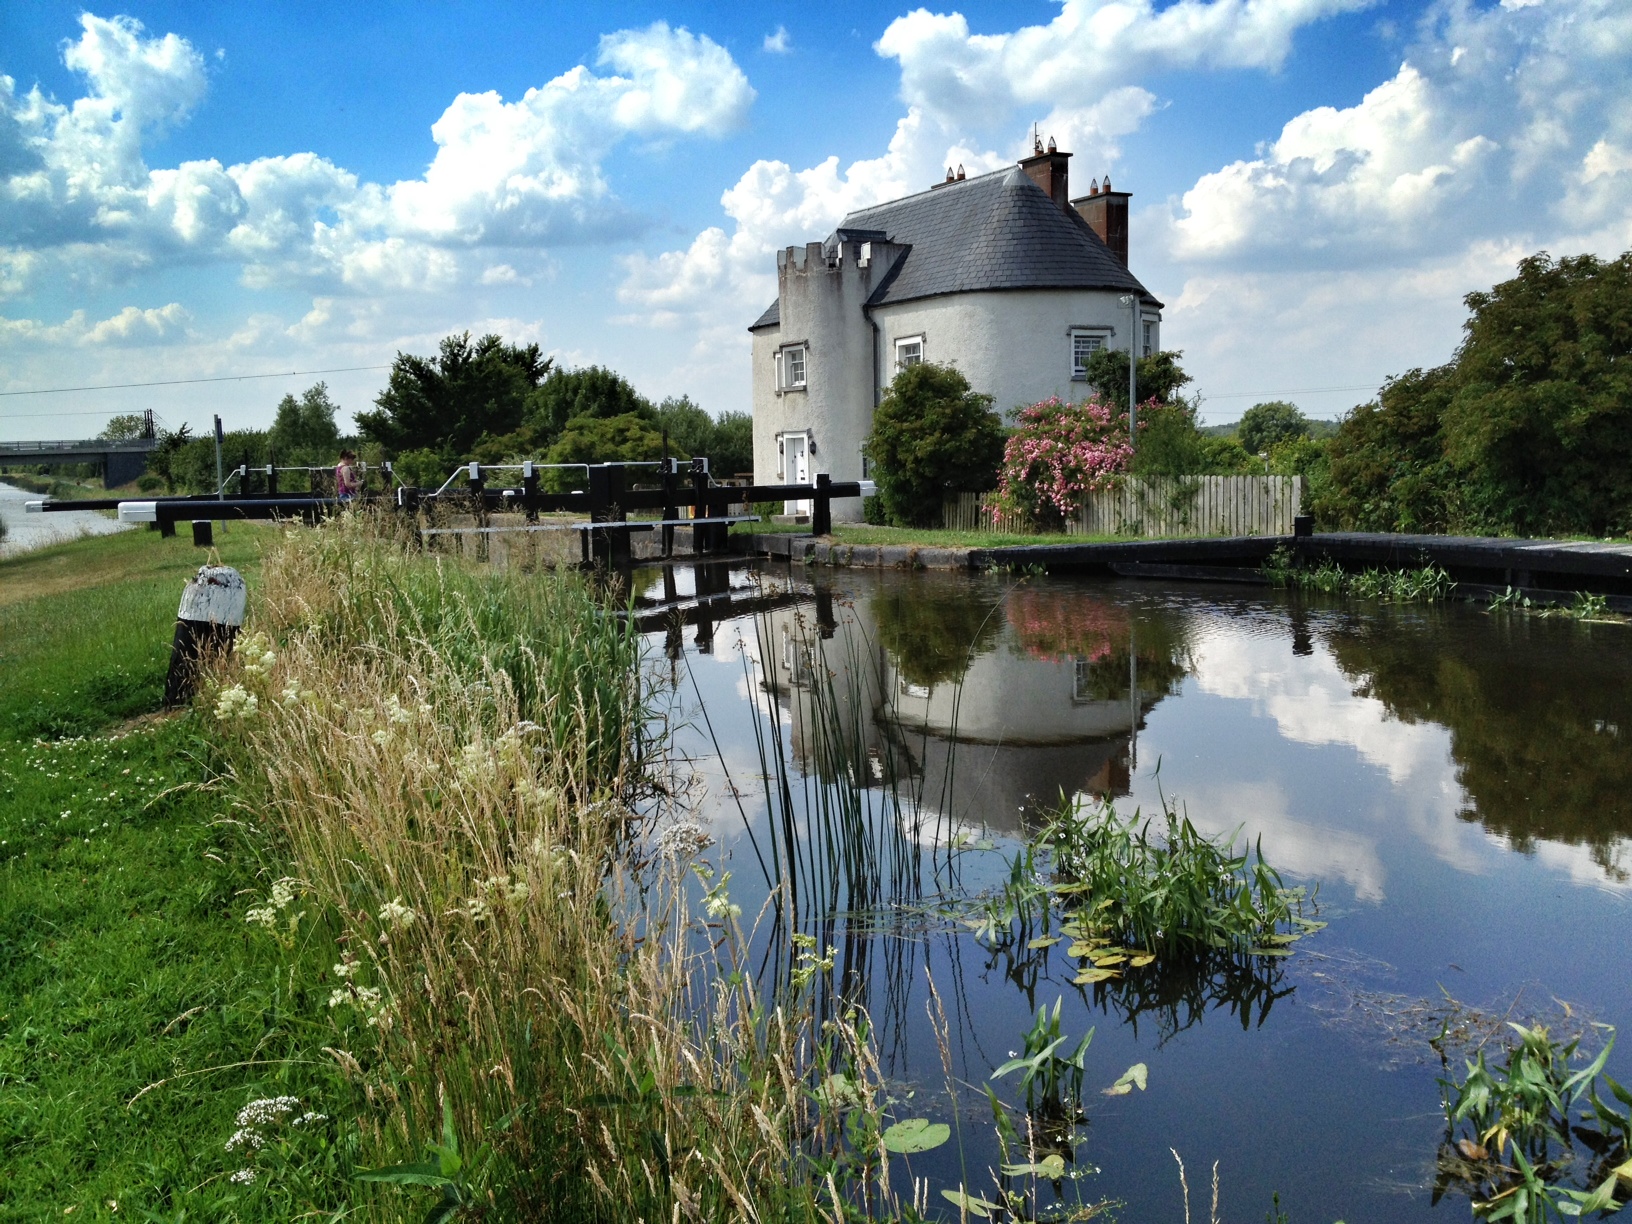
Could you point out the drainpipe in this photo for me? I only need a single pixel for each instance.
(876, 341)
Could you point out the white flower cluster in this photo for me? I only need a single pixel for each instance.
(294, 695)
(496, 889)
(475, 765)
(396, 914)
(255, 651)
(252, 1119)
(243, 1177)
(367, 999)
(535, 798)
(684, 839)
(403, 715)
(283, 896)
(347, 969)
(236, 702)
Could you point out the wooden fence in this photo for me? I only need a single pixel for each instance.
(1160, 507)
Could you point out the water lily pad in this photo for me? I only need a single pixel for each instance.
(1043, 941)
(1134, 1077)
(1095, 975)
(916, 1135)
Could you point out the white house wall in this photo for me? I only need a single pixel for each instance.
(1014, 345)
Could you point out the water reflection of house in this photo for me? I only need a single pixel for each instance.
(1012, 733)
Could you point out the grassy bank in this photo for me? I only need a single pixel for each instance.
(137, 1020)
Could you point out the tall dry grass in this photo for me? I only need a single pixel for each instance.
(454, 762)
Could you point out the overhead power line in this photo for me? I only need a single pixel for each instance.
(1292, 391)
(178, 382)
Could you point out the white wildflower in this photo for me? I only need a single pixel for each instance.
(247, 1138)
(256, 653)
(397, 712)
(339, 996)
(283, 893)
(475, 764)
(263, 915)
(479, 910)
(347, 969)
(267, 1110)
(236, 702)
(381, 737)
(310, 1118)
(396, 914)
(243, 1177)
(684, 839)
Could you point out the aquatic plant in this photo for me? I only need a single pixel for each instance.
(1520, 1156)
(1424, 583)
(1134, 897)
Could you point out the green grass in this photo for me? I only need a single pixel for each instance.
(124, 959)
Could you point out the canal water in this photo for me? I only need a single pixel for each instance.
(1456, 783)
(25, 531)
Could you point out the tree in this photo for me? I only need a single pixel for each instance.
(1539, 429)
(1528, 429)
(1159, 377)
(1265, 426)
(125, 427)
(628, 438)
(1386, 462)
(1060, 453)
(733, 447)
(931, 436)
(303, 431)
(592, 391)
(448, 402)
(690, 429)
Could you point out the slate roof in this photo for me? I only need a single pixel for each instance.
(997, 231)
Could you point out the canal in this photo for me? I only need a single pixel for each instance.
(1453, 785)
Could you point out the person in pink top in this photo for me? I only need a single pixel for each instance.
(348, 482)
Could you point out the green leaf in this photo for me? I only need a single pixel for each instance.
(1050, 1168)
(974, 1205)
(1134, 1076)
(1043, 941)
(1095, 975)
(427, 1174)
(916, 1135)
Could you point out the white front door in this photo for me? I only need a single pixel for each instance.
(796, 468)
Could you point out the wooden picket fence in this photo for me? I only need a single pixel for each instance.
(1160, 507)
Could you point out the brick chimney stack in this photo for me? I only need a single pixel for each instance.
(1049, 169)
(1106, 213)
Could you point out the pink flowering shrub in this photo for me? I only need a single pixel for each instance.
(1060, 453)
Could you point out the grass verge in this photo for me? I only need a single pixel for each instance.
(138, 1018)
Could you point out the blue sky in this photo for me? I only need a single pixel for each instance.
(203, 191)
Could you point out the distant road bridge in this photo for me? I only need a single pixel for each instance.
(121, 461)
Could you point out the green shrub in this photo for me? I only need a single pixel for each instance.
(932, 436)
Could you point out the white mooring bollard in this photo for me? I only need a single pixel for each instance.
(211, 611)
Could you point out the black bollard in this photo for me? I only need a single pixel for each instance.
(212, 609)
(167, 528)
(203, 533)
(821, 518)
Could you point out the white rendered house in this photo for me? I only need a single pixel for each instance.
(1004, 276)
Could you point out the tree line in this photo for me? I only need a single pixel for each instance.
(481, 399)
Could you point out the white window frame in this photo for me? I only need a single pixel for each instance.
(785, 357)
(1079, 373)
(1148, 336)
(906, 342)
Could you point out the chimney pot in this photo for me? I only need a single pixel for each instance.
(1052, 148)
(1093, 188)
(1107, 186)
(960, 172)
